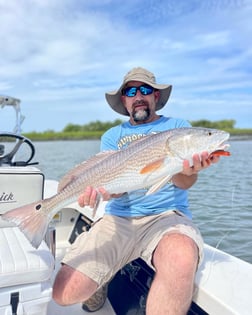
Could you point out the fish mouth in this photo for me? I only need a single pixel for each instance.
(222, 147)
(221, 150)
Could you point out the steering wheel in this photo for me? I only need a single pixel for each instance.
(9, 157)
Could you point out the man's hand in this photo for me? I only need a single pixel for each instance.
(200, 162)
(91, 196)
(188, 176)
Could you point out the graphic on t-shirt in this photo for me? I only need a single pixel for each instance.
(127, 139)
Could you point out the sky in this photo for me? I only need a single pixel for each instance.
(59, 57)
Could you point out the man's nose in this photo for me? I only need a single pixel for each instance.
(139, 95)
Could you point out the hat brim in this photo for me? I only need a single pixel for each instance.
(114, 97)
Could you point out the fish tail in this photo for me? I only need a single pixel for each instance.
(31, 220)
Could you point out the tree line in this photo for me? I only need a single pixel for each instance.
(92, 126)
(95, 129)
(225, 124)
(103, 126)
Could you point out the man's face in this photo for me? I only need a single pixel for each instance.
(141, 108)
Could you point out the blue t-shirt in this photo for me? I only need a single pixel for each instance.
(136, 203)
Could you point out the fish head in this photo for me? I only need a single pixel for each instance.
(185, 142)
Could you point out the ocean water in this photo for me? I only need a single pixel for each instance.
(221, 200)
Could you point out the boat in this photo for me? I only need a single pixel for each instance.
(223, 283)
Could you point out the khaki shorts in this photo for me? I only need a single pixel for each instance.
(114, 241)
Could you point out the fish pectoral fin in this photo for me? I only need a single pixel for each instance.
(153, 166)
(158, 185)
(97, 204)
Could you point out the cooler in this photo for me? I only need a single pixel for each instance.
(19, 186)
(25, 272)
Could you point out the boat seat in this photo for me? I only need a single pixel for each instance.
(20, 263)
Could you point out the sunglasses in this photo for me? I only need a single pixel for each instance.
(132, 90)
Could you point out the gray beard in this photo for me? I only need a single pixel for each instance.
(141, 115)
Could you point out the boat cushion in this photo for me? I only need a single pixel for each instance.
(20, 263)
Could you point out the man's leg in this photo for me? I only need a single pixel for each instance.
(175, 260)
(71, 286)
(97, 300)
(92, 262)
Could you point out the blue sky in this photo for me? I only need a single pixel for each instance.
(60, 57)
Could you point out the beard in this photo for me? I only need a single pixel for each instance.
(140, 114)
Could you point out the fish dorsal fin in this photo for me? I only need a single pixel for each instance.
(153, 166)
(158, 185)
(81, 168)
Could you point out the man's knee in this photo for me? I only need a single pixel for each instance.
(61, 285)
(71, 286)
(178, 250)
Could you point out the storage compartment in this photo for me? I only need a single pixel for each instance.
(19, 186)
(30, 299)
(25, 274)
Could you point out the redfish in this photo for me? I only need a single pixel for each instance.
(149, 162)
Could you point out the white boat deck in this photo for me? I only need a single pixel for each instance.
(54, 309)
(224, 284)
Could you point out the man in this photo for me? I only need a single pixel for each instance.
(157, 228)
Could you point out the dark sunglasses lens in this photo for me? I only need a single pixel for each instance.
(130, 91)
(146, 90)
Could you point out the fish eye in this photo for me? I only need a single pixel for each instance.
(209, 133)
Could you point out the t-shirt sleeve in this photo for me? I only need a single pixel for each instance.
(108, 140)
(181, 123)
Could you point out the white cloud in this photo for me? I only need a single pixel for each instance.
(62, 55)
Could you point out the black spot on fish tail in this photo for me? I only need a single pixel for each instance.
(38, 207)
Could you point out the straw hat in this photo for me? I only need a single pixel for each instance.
(142, 75)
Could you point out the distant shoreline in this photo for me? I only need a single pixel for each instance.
(96, 135)
(95, 129)
(240, 137)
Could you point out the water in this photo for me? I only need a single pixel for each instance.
(221, 200)
(57, 157)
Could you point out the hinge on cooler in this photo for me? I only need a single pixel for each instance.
(14, 302)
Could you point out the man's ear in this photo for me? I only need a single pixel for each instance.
(157, 95)
(122, 98)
